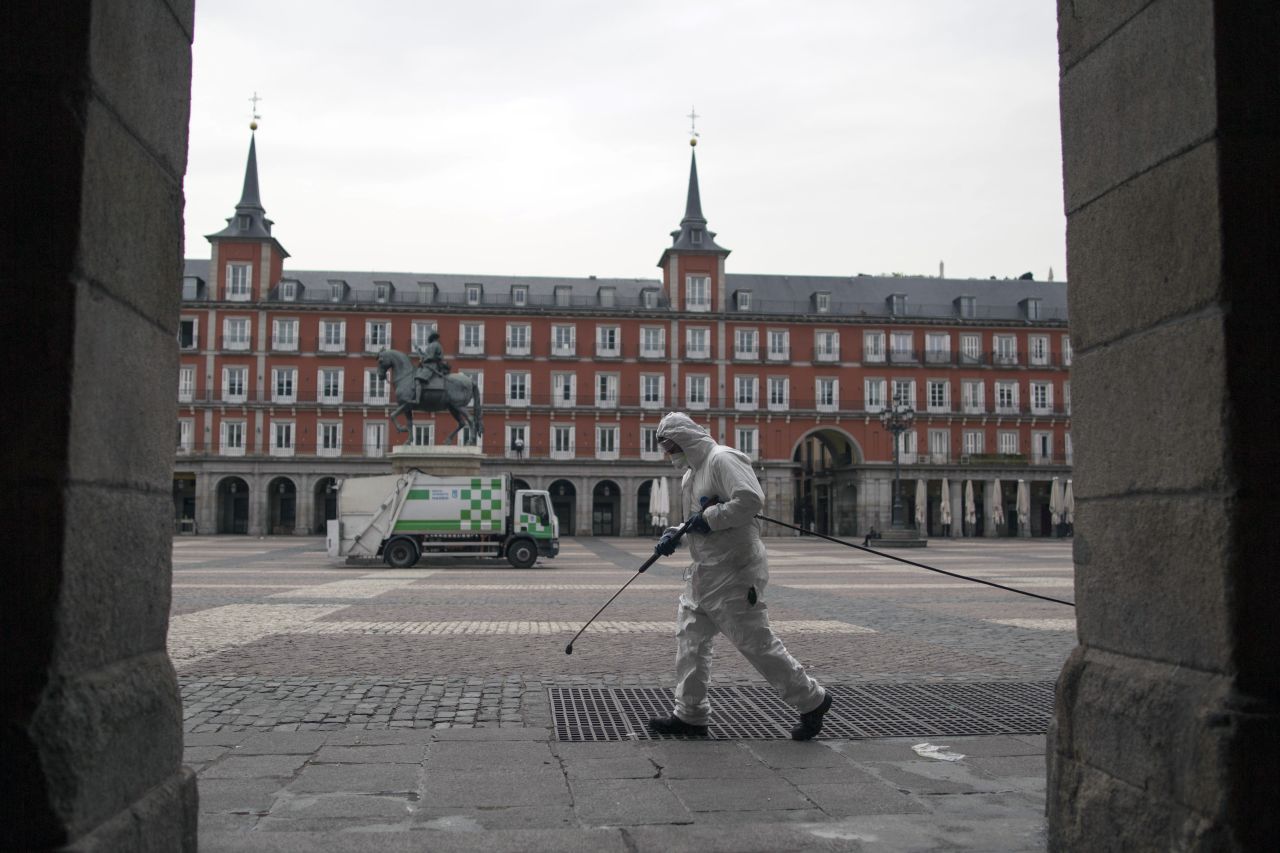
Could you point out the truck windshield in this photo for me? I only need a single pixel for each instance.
(537, 505)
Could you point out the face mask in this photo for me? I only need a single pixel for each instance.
(680, 461)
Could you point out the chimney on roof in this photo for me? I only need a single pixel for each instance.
(942, 270)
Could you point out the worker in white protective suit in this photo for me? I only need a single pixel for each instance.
(724, 587)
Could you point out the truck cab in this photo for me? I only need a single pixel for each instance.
(533, 520)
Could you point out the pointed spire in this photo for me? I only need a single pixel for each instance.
(249, 196)
(693, 206)
(692, 235)
(250, 220)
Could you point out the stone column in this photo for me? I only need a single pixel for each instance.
(96, 97)
(989, 527)
(1166, 734)
(306, 510)
(583, 506)
(956, 487)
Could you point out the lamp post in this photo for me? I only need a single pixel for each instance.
(897, 419)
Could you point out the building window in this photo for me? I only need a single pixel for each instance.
(238, 282)
(1006, 349)
(746, 392)
(381, 291)
(282, 438)
(697, 293)
(1007, 442)
(970, 349)
(1041, 448)
(827, 394)
(519, 296)
(284, 384)
(423, 434)
(606, 390)
(234, 380)
(235, 333)
(697, 342)
(518, 389)
(1033, 309)
(186, 384)
(939, 446)
(939, 391)
(330, 443)
(974, 445)
(1006, 398)
(651, 396)
(564, 340)
(337, 290)
(284, 335)
(329, 384)
(1041, 398)
(188, 337)
(907, 446)
(779, 393)
(472, 339)
(1066, 350)
(232, 443)
(746, 344)
(186, 433)
(898, 304)
(375, 438)
(518, 339)
(826, 345)
(517, 441)
(650, 297)
(873, 347)
(1066, 398)
(333, 335)
(1038, 349)
(779, 345)
(421, 331)
(377, 335)
(697, 391)
(746, 439)
(561, 442)
(1066, 446)
(649, 448)
(902, 347)
(564, 296)
(607, 297)
(904, 391)
(375, 388)
(564, 390)
(426, 292)
(972, 393)
(744, 300)
(606, 442)
(607, 341)
(822, 302)
(652, 342)
(967, 307)
(873, 391)
(474, 293)
(937, 348)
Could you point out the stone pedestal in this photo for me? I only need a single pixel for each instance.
(438, 461)
(907, 537)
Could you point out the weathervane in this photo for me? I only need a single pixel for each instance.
(693, 126)
(253, 125)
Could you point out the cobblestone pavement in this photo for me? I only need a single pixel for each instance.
(273, 640)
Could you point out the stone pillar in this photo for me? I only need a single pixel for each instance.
(306, 511)
(96, 97)
(989, 527)
(584, 503)
(1166, 734)
(956, 487)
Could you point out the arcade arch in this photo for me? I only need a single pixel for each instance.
(825, 481)
(606, 509)
(564, 503)
(282, 506)
(233, 505)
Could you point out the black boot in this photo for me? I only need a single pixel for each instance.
(811, 721)
(673, 725)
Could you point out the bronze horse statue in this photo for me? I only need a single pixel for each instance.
(453, 396)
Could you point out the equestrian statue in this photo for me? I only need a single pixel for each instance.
(430, 387)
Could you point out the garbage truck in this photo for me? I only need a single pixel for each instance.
(404, 517)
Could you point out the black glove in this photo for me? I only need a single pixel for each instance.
(668, 543)
(698, 524)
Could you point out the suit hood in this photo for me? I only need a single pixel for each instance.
(693, 439)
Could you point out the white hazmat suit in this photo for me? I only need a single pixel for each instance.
(725, 585)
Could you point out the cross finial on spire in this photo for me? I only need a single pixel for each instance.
(693, 126)
(253, 124)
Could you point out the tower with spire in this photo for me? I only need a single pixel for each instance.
(693, 265)
(245, 260)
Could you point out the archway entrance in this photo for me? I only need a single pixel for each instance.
(606, 509)
(825, 482)
(326, 503)
(233, 506)
(564, 503)
(644, 497)
(184, 501)
(282, 509)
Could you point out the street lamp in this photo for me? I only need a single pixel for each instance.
(897, 420)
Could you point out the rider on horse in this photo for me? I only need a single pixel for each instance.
(431, 364)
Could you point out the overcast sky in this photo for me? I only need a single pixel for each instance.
(551, 138)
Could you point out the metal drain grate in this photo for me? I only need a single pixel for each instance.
(862, 711)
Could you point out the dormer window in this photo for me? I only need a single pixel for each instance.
(649, 298)
(1031, 308)
(191, 287)
(822, 302)
(898, 304)
(474, 294)
(337, 290)
(426, 292)
(519, 296)
(695, 236)
(288, 291)
(564, 296)
(967, 307)
(743, 298)
(238, 282)
(382, 291)
(607, 297)
(243, 221)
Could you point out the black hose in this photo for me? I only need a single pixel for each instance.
(910, 562)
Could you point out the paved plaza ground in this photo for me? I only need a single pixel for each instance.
(337, 707)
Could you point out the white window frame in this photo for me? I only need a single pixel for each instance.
(970, 349)
(974, 442)
(564, 340)
(874, 394)
(237, 342)
(652, 390)
(1066, 351)
(939, 446)
(289, 377)
(239, 282)
(519, 336)
(606, 390)
(186, 435)
(653, 342)
(329, 438)
(608, 341)
(873, 351)
(563, 296)
(826, 393)
(1041, 398)
(746, 344)
(375, 439)
(195, 333)
(1007, 442)
(422, 330)
(232, 435)
(697, 293)
(510, 433)
(287, 430)
(697, 385)
(517, 386)
(1007, 397)
(779, 399)
(1004, 349)
(471, 339)
(822, 302)
(691, 348)
(474, 294)
(326, 393)
(1040, 453)
(1038, 350)
(746, 392)
(904, 389)
(519, 295)
(186, 383)
(372, 385)
(908, 446)
(425, 431)
(902, 347)
(607, 441)
(327, 336)
(747, 440)
(826, 345)
(375, 331)
(1066, 398)
(562, 435)
(649, 449)
(559, 397)
(235, 384)
(937, 395)
(973, 394)
(779, 345)
(284, 334)
(937, 348)
(743, 300)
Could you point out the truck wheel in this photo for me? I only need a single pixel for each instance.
(400, 553)
(522, 553)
